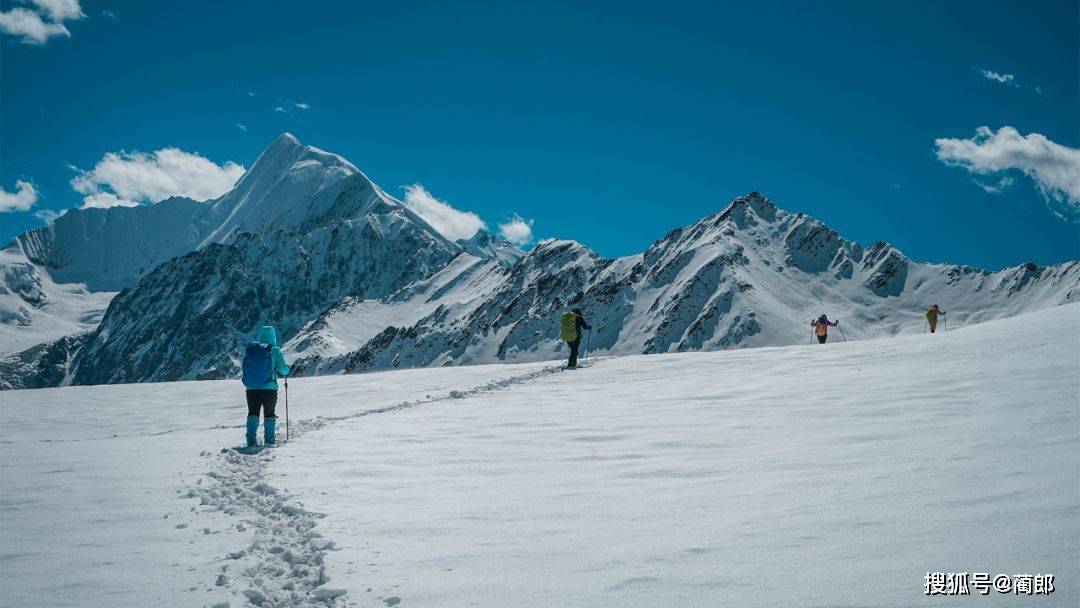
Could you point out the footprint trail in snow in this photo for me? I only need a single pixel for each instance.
(282, 567)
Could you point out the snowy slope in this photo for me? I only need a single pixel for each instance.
(34, 309)
(759, 477)
(329, 341)
(94, 508)
(58, 280)
(108, 249)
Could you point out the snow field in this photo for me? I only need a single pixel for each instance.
(101, 487)
(809, 475)
(803, 476)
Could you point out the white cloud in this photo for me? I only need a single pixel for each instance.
(59, 10)
(286, 106)
(991, 188)
(104, 200)
(517, 230)
(111, 15)
(450, 222)
(123, 178)
(1054, 168)
(47, 215)
(241, 127)
(23, 198)
(45, 21)
(30, 27)
(1008, 79)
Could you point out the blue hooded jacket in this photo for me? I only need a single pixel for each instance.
(267, 335)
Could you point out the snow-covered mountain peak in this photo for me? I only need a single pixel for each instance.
(289, 184)
(749, 209)
(284, 152)
(287, 138)
(749, 222)
(483, 244)
(559, 254)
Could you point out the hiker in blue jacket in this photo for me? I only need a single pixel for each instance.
(263, 364)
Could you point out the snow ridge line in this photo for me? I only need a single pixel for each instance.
(132, 435)
(283, 567)
(318, 422)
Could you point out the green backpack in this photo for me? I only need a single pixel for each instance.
(568, 326)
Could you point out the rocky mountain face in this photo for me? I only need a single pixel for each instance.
(301, 230)
(356, 281)
(750, 275)
(58, 280)
(339, 237)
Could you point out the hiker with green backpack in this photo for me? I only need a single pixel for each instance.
(932, 315)
(571, 324)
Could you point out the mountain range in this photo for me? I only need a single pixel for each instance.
(355, 280)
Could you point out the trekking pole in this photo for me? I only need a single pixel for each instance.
(588, 341)
(286, 410)
(841, 332)
(944, 324)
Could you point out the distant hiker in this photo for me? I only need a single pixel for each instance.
(571, 324)
(821, 328)
(932, 314)
(263, 364)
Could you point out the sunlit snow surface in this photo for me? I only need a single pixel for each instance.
(833, 475)
(65, 308)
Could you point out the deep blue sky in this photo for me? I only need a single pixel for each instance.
(609, 123)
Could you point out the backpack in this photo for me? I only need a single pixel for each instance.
(821, 329)
(258, 365)
(568, 327)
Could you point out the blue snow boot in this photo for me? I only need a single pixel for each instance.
(269, 426)
(252, 428)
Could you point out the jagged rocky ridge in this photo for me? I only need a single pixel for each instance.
(751, 275)
(355, 281)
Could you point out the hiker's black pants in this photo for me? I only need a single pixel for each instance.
(822, 339)
(573, 350)
(265, 399)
